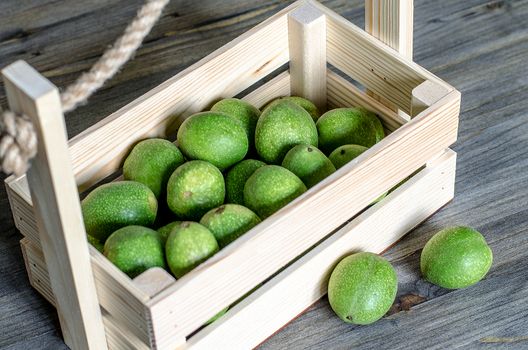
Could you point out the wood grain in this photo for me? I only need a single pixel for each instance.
(392, 23)
(425, 95)
(479, 46)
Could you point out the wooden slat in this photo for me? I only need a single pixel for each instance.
(99, 150)
(391, 21)
(288, 233)
(305, 281)
(36, 269)
(342, 93)
(118, 336)
(23, 213)
(371, 63)
(119, 296)
(57, 208)
(276, 87)
(307, 44)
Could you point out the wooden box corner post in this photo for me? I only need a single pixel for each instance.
(57, 208)
(391, 21)
(307, 48)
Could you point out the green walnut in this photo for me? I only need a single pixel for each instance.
(236, 178)
(189, 244)
(281, 126)
(343, 126)
(243, 112)
(270, 188)
(456, 257)
(217, 316)
(152, 162)
(362, 288)
(213, 137)
(165, 231)
(118, 204)
(229, 221)
(195, 188)
(308, 163)
(135, 249)
(344, 154)
(306, 104)
(95, 243)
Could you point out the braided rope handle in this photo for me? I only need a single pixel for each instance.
(18, 141)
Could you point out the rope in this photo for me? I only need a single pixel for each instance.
(18, 141)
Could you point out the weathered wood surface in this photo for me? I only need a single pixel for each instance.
(478, 46)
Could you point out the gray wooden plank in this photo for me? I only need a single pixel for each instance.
(46, 341)
(478, 46)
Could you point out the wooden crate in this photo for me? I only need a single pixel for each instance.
(290, 254)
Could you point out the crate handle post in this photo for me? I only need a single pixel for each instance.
(307, 47)
(391, 21)
(57, 208)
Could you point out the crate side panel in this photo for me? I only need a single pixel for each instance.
(360, 60)
(99, 151)
(118, 337)
(277, 87)
(25, 222)
(375, 65)
(291, 231)
(36, 270)
(342, 93)
(305, 281)
(11, 197)
(21, 209)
